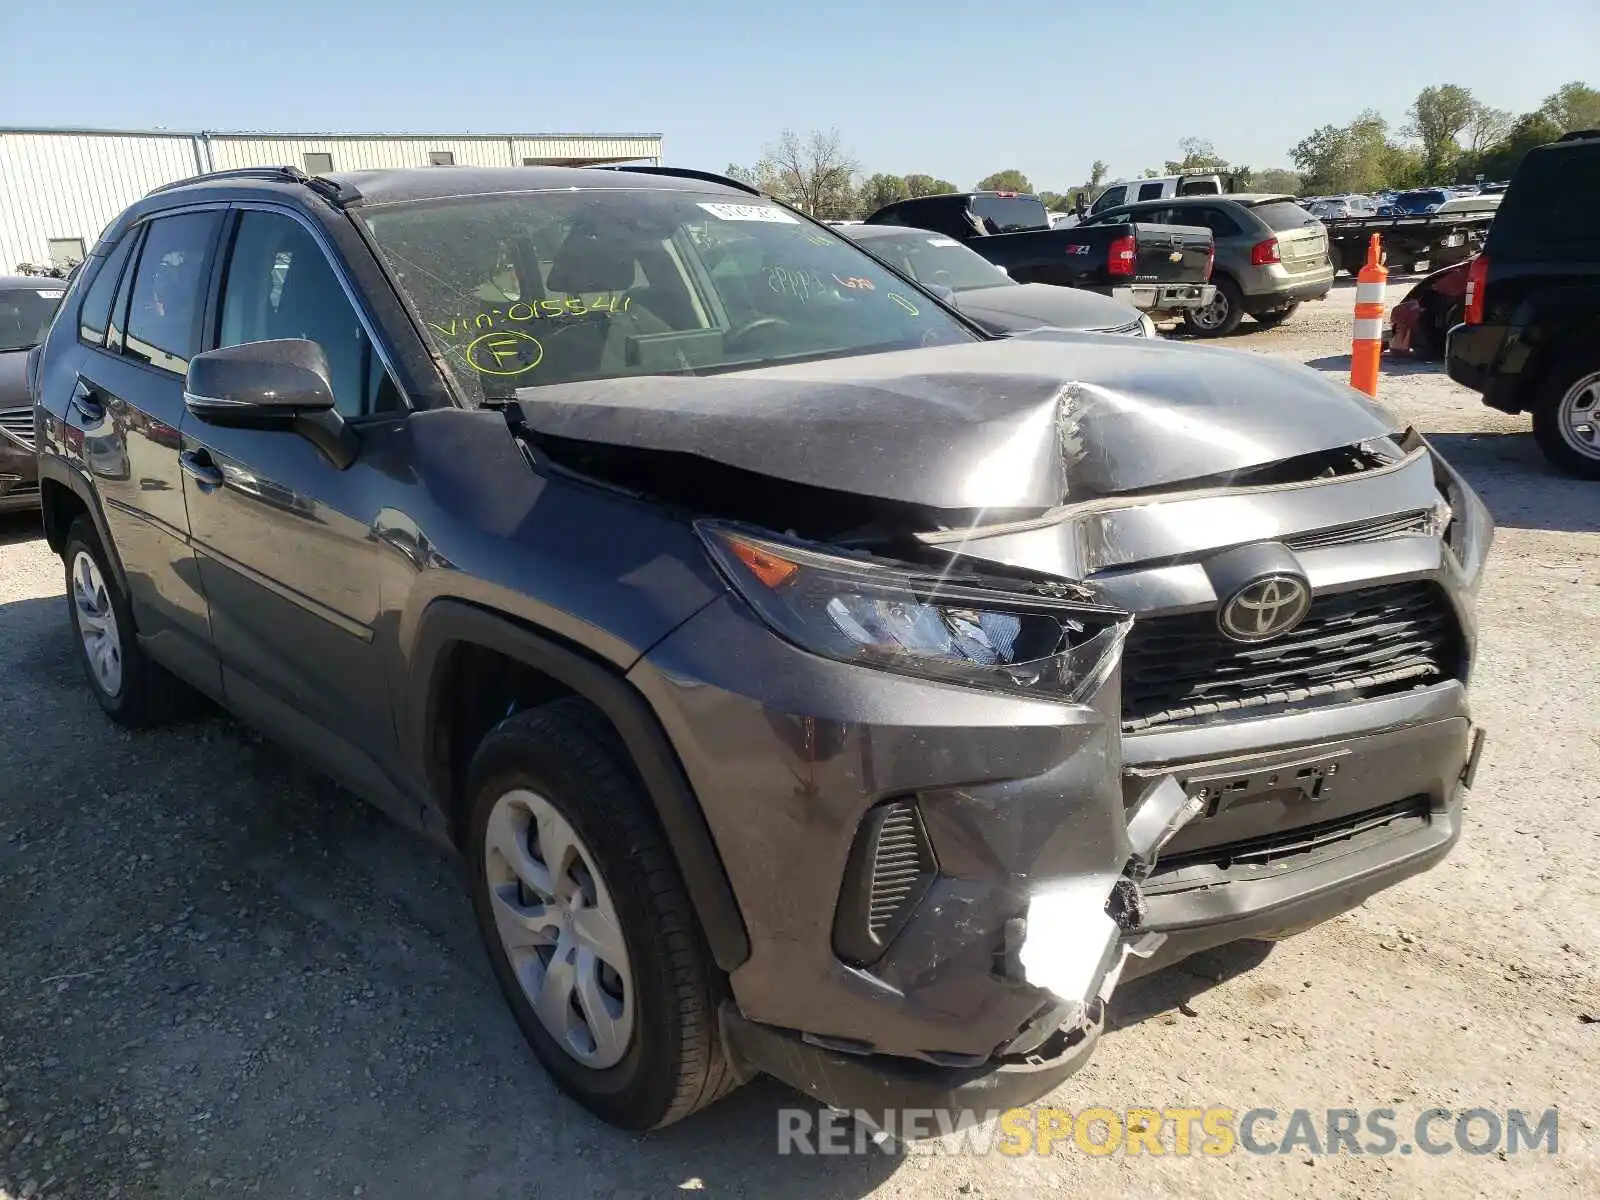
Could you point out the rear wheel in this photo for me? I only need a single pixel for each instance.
(1276, 317)
(587, 920)
(1566, 421)
(1222, 316)
(131, 688)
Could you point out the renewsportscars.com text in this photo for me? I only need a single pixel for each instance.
(1210, 1132)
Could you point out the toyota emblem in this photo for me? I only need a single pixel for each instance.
(1265, 608)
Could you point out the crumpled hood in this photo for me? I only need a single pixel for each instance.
(1027, 422)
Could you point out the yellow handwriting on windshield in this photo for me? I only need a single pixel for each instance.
(522, 311)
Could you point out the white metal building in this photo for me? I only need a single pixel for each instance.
(60, 187)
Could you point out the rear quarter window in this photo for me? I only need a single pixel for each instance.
(1284, 215)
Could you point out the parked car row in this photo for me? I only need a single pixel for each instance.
(28, 304)
(816, 677)
(1156, 267)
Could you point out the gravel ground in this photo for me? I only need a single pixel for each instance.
(224, 976)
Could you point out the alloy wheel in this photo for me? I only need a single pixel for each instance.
(559, 928)
(1579, 416)
(1211, 316)
(97, 624)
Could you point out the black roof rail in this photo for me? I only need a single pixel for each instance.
(1578, 135)
(279, 174)
(685, 173)
(332, 190)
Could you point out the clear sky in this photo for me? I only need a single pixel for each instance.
(949, 88)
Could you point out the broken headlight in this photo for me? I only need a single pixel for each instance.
(1057, 643)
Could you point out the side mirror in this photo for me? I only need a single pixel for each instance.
(1080, 205)
(946, 294)
(277, 385)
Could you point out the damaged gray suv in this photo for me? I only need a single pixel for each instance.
(811, 682)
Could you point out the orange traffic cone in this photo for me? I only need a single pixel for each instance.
(1366, 347)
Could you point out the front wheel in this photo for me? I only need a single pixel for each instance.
(1566, 421)
(1271, 320)
(587, 920)
(1222, 316)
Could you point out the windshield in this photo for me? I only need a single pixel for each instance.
(936, 261)
(25, 316)
(550, 287)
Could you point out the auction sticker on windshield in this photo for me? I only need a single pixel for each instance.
(942, 241)
(750, 212)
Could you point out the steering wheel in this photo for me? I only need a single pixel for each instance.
(734, 336)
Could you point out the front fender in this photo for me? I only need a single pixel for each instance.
(445, 622)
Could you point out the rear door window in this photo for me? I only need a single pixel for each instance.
(1219, 220)
(1283, 216)
(169, 290)
(1151, 191)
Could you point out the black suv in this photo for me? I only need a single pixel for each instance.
(1531, 338)
(808, 679)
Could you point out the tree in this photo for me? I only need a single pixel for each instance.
(1358, 157)
(1485, 127)
(1573, 106)
(1438, 115)
(1533, 129)
(1057, 201)
(880, 190)
(1200, 157)
(1097, 175)
(1011, 180)
(1277, 179)
(813, 173)
(928, 185)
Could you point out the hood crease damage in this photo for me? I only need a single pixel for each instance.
(978, 428)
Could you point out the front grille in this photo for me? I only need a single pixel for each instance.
(891, 867)
(1361, 643)
(18, 422)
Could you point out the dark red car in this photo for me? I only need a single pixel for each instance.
(1424, 317)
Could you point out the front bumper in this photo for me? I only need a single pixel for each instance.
(1017, 797)
(1166, 298)
(1389, 809)
(19, 476)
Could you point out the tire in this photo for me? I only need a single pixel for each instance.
(130, 687)
(1277, 316)
(1222, 316)
(1569, 403)
(640, 1047)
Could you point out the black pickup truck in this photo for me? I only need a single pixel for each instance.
(1157, 268)
(1438, 239)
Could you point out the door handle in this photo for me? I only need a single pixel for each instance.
(86, 401)
(197, 465)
